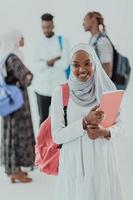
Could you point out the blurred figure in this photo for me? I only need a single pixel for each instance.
(51, 61)
(18, 137)
(94, 23)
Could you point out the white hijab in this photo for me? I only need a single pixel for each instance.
(9, 44)
(89, 92)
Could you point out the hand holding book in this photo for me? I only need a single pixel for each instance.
(102, 116)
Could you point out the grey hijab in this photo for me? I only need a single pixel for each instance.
(89, 92)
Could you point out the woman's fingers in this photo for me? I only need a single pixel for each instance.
(99, 115)
(93, 136)
(95, 107)
(98, 112)
(95, 116)
(92, 126)
(93, 132)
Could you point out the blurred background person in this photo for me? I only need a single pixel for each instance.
(94, 23)
(50, 63)
(17, 147)
(114, 63)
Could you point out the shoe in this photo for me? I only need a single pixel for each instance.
(19, 178)
(23, 173)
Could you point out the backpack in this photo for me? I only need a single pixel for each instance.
(47, 152)
(121, 67)
(11, 98)
(67, 71)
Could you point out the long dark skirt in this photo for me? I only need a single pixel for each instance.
(18, 139)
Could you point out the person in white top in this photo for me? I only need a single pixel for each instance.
(94, 23)
(87, 163)
(50, 63)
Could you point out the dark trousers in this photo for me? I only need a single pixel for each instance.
(43, 106)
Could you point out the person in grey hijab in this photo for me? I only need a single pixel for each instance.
(87, 163)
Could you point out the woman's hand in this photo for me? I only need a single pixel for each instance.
(95, 116)
(96, 131)
(29, 77)
(18, 83)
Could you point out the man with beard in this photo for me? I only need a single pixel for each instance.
(51, 61)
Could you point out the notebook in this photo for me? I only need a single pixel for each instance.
(110, 104)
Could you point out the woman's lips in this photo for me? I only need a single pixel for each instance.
(83, 75)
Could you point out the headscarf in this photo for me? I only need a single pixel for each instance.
(88, 92)
(9, 44)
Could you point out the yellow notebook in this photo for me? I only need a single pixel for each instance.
(110, 104)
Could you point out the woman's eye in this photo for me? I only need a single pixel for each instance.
(75, 65)
(87, 64)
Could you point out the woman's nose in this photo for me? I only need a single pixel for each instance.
(82, 70)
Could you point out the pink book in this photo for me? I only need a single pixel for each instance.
(110, 104)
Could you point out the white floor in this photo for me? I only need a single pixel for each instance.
(42, 187)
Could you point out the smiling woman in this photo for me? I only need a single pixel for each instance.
(87, 166)
(25, 15)
(82, 70)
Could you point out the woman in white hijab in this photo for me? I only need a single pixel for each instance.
(87, 166)
(9, 43)
(18, 137)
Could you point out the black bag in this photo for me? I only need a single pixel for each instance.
(121, 67)
(121, 70)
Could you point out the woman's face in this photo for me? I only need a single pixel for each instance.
(82, 66)
(21, 42)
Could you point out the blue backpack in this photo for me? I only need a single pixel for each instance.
(11, 98)
(67, 71)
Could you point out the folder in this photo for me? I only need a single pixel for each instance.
(110, 104)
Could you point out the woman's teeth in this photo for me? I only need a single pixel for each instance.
(83, 75)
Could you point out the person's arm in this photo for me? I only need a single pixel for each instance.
(105, 53)
(39, 62)
(20, 71)
(96, 131)
(108, 68)
(60, 133)
(117, 128)
(63, 62)
(52, 61)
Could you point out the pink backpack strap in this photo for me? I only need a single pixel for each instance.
(65, 94)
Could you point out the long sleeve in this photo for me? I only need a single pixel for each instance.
(18, 71)
(64, 61)
(60, 133)
(117, 129)
(39, 62)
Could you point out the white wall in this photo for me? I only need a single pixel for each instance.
(68, 18)
(25, 15)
